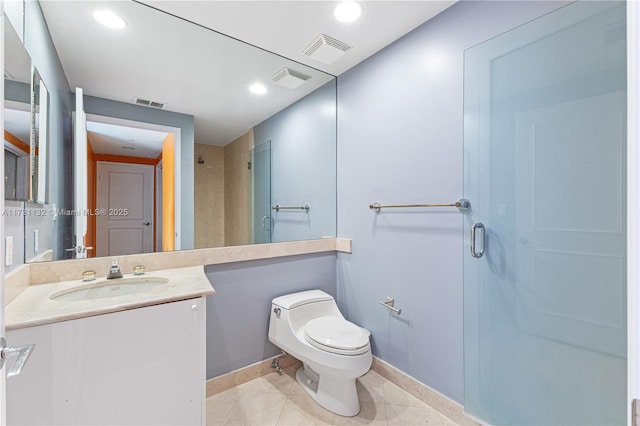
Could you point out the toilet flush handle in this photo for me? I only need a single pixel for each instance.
(277, 312)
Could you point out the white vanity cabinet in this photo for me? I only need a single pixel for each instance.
(143, 366)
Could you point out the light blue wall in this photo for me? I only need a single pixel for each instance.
(35, 220)
(110, 108)
(400, 140)
(17, 92)
(14, 227)
(45, 58)
(238, 314)
(303, 165)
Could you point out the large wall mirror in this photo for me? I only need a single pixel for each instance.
(26, 118)
(193, 139)
(17, 116)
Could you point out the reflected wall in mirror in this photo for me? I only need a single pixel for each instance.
(168, 102)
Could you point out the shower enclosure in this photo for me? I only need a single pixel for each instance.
(544, 266)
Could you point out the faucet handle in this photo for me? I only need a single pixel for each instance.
(138, 270)
(89, 275)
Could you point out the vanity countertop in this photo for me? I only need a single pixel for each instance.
(34, 307)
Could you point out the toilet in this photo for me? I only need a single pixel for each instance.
(334, 351)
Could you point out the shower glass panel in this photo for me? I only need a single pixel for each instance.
(545, 153)
(262, 224)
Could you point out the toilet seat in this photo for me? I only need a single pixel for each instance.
(336, 335)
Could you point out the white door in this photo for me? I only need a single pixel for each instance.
(124, 222)
(15, 357)
(3, 388)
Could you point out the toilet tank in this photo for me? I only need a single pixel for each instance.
(296, 309)
(293, 300)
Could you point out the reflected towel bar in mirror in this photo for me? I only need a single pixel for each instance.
(278, 207)
(461, 204)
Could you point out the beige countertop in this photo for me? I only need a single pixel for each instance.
(34, 307)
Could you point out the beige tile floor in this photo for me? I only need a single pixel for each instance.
(279, 400)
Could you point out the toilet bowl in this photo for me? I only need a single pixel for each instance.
(334, 351)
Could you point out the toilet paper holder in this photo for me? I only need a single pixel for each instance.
(389, 304)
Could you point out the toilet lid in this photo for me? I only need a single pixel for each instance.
(336, 333)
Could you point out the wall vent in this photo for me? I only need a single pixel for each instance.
(291, 79)
(326, 49)
(146, 102)
(615, 32)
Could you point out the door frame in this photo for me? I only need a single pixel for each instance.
(3, 377)
(633, 206)
(178, 160)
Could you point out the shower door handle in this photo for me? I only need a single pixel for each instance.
(478, 226)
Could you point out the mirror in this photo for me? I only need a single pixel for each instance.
(39, 137)
(172, 98)
(17, 121)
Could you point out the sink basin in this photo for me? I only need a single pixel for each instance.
(109, 288)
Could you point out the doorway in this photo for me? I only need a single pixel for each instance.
(132, 174)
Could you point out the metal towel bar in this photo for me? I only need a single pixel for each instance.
(278, 207)
(461, 204)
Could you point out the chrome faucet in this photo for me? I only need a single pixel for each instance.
(114, 271)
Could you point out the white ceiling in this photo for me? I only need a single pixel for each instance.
(205, 74)
(114, 139)
(288, 27)
(17, 65)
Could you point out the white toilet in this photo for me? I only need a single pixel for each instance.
(335, 352)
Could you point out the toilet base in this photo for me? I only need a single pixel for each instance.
(338, 395)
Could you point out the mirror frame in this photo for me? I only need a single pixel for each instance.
(39, 140)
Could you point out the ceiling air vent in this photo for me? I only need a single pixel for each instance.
(152, 104)
(291, 79)
(326, 49)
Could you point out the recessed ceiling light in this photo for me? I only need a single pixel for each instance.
(347, 11)
(109, 19)
(258, 89)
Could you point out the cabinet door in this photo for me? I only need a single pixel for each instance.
(143, 366)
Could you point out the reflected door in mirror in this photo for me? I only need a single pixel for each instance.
(124, 212)
(261, 177)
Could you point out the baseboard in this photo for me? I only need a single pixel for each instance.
(245, 374)
(424, 393)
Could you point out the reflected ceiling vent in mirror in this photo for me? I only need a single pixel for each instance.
(152, 104)
(291, 79)
(326, 49)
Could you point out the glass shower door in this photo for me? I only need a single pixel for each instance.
(545, 142)
(262, 224)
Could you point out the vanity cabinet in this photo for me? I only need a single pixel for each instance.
(143, 366)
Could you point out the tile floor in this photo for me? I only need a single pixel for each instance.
(279, 400)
